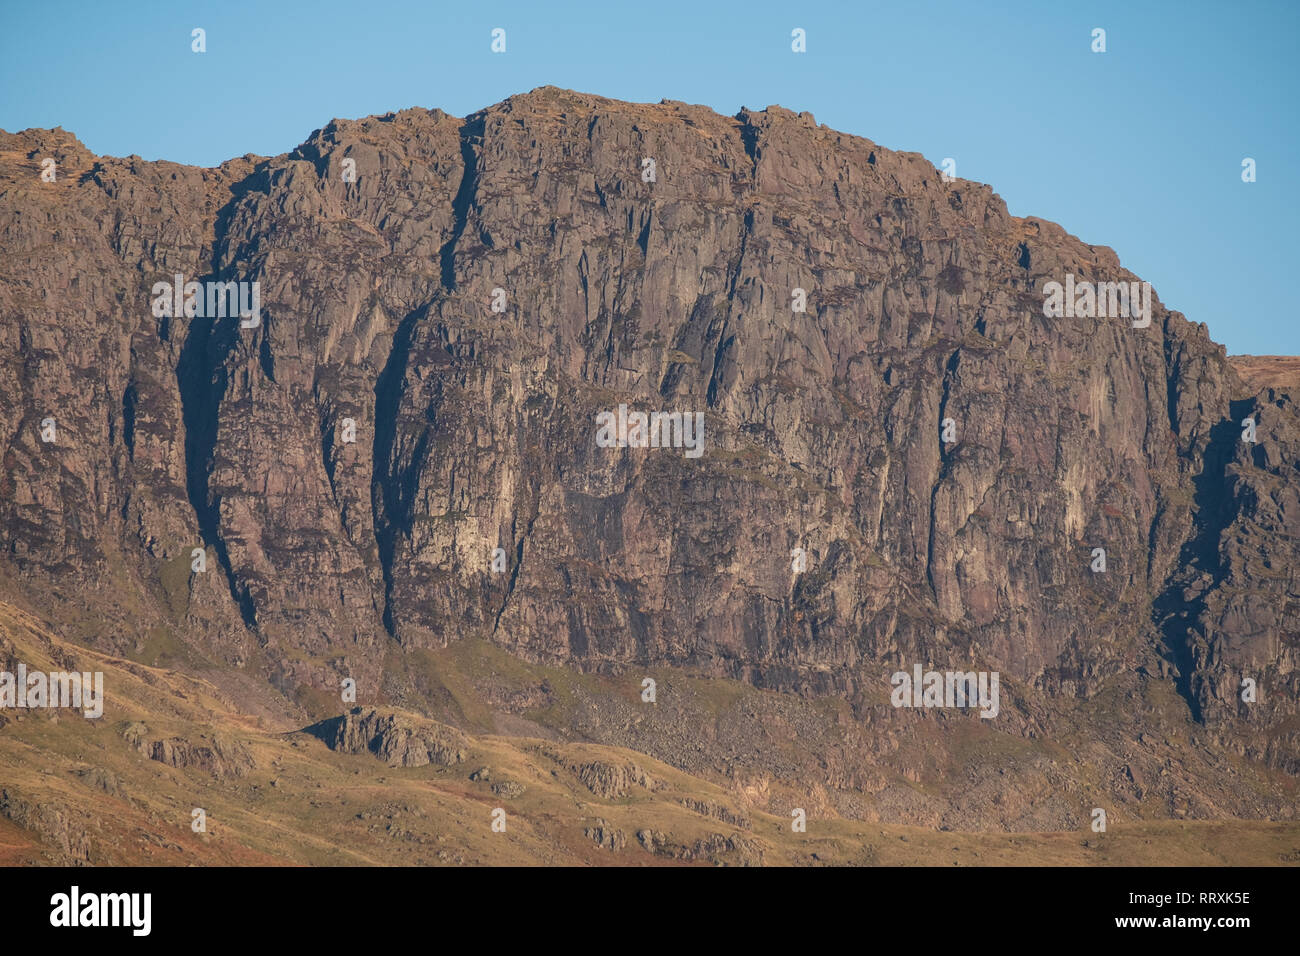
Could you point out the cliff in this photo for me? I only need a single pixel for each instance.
(472, 293)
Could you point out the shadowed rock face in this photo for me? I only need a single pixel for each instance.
(476, 429)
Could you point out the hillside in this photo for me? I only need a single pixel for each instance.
(105, 792)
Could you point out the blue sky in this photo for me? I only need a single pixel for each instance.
(1138, 148)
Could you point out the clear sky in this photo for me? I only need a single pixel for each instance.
(1138, 148)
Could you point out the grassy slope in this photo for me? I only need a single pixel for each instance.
(80, 790)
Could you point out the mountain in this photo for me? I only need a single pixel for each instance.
(910, 456)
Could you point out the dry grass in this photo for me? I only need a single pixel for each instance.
(82, 791)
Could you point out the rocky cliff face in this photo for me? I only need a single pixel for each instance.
(465, 297)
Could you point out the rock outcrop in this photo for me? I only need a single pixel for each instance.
(224, 759)
(397, 739)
